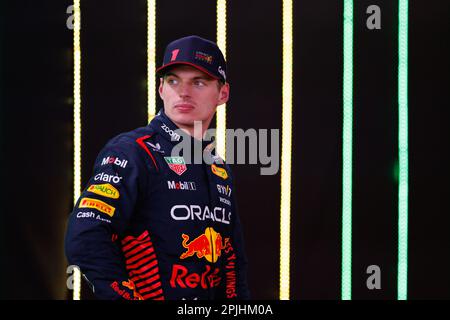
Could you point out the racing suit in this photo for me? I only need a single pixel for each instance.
(150, 225)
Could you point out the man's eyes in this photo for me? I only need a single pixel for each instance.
(172, 81)
(197, 83)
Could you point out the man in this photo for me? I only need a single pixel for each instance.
(150, 223)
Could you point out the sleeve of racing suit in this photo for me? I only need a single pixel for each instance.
(242, 290)
(100, 215)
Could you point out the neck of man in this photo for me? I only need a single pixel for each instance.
(196, 130)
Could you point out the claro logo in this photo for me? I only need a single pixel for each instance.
(107, 177)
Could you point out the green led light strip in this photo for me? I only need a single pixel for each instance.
(402, 277)
(347, 141)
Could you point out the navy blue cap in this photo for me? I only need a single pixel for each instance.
(196, 52)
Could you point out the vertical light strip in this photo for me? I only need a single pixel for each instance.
(77, 124)
(151, 59)
(221, 117)
(286, 152)
(347, 141)
(402, 277)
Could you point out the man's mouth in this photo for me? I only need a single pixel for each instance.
(184, 107)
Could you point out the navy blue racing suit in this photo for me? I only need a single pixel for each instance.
(151, 225)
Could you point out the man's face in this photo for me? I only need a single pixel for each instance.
(191, 95)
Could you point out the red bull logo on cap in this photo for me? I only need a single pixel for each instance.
(208, 245)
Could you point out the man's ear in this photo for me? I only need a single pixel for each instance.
(224, 94)
(160, 88)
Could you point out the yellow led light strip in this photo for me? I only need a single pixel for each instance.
(151, 59)
(221, 117)
(77, 125)
(286, 151)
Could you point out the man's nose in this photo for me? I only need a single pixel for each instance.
(184, 90)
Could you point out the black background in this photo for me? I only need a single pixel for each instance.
(36, 134)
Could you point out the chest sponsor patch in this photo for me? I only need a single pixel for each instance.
(195, 212)
(220, 172)
(226, 201)
(208, 245)
(184, 278)
(181, 185)
(176, 164)
(225, 190)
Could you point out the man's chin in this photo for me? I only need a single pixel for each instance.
(185, 121)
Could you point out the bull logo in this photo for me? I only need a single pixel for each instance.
(208, 245)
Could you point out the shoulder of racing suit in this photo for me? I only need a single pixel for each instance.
(137, 146)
